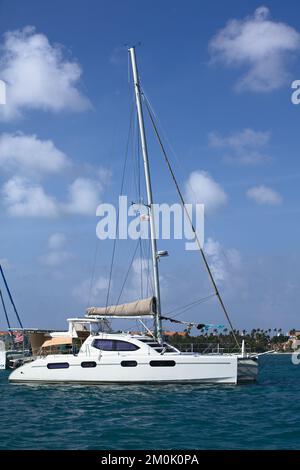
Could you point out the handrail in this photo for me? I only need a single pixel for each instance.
(212, 348)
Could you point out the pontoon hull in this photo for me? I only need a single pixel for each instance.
(173, 369)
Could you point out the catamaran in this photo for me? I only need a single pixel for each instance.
(107, 357)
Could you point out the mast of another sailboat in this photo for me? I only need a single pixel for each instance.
(136, 81)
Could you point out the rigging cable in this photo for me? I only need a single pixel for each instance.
(10, 297)
(163, 132)
(7, 319)
(217, 292)
(94, 261)
(5, 311)
(127, 274)
(118, 215)
(179, 310)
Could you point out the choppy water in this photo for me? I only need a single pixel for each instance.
(265, 415)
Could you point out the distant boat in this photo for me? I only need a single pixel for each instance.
(107, 357)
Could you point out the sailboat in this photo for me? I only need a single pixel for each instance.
(108, 357)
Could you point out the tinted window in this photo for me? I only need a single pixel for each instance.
(104, 344)
(88, 364)
(128, 363)
(114, 345)
(124, 346)
(162, 363)
(58, 365)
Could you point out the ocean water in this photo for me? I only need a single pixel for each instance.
(265, 415)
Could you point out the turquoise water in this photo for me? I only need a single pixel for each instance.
(265, 415)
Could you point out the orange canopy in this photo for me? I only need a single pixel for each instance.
(58, 341)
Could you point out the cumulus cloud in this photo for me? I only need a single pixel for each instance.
(259, 45)
(264, 195)
(87, 293)
(84, 196)
(24, 199)
(201, 188)
(26, 154)
(246, 147)
(223, 263)
(38, 75)
(30, 159)
(57, 253)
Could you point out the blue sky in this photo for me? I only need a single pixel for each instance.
(218, 75)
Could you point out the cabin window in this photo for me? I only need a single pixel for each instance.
(113, 345)
(58, 365)
(125, 346)
(103, 344)
(87, 364)
(128, 363)
(162, 363)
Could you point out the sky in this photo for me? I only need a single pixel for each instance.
(218, 76)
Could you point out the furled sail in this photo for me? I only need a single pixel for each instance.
(138, 308)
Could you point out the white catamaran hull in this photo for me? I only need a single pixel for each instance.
(127, 369)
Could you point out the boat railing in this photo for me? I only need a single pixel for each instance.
(209, 348)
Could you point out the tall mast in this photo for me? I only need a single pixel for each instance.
(136, 81)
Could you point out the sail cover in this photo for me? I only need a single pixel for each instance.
(138, 308)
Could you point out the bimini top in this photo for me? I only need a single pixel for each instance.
(139, 308)
(57, 341)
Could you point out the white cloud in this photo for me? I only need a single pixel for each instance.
(141, 265)
(57, 254)
(84, 196)
(246, 147)
(213, 252)
(24, 199)
(85, 293)
(223, 263)
(264, 195)
(202, 189)
(27, 154)
(38, 75)
(57, 241)
(259, 45)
